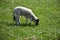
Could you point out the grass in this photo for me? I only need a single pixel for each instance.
(48, 12)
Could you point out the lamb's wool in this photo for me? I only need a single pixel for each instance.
(23, 11)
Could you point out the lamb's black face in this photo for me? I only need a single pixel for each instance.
(36, 21)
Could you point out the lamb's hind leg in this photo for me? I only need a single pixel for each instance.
(26, 21)
(17, 20)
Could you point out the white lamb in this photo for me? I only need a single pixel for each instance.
(23, 11)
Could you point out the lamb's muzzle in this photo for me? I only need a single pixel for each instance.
(36, 21)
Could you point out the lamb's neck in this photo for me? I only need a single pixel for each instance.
(34, 17)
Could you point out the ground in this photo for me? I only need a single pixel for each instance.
(48, 12)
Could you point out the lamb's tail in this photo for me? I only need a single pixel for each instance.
(14, 18)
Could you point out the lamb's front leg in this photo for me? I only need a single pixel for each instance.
(30, 21)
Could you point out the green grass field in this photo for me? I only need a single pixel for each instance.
(48, 12)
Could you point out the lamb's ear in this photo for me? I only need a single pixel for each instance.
(37, 22)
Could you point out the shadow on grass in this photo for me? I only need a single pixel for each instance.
(2, 23)
(1, 38)
(22, 25)
(58, 36)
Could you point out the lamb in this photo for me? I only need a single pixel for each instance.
(26, 12)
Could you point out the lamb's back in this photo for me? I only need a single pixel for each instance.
(23, 8)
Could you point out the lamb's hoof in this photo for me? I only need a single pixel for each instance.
(18, 24)
(29, 24)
